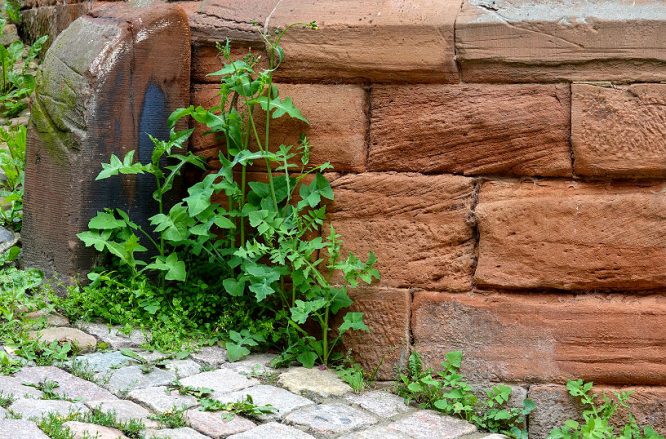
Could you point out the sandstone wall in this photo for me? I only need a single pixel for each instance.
(505, 159)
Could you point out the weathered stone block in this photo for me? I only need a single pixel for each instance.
(545, 338)
(471, 129)
(416, 224)
(130, 70)
(536, 41)
(50, 20)
(337, 129)
(619, 131)
(554, 406)
(386, 313)
(569, 235)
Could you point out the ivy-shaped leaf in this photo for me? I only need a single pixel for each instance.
(175, 268)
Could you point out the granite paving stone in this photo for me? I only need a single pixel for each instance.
(125, 410)
(220, 381)
(14, 387)
(319, 382)
(82, 430)
(426, 424)
(112, 336)
(37, 408)
(175, 433)
(380, 432)
(183, 368)
(380, 403)
(273, 430)
(101, 362)
(210, 356)
(331, 419)
(282, 400)
(20, 429)
(255, 364)
(3, 413)
(133, 377)
(214, 425)
(69, 385)
(161, 399)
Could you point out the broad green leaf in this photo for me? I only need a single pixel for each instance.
(105, 221)
(454, 358)
(234, 287)
(95, 239)
(236, 66)
(262, 290)
(175, 268)
(307, 358)
(235, 351)
(303, 310)
(115, 167)
(352, 320)
(280, 107)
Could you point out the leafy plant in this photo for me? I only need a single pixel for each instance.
(259, 241)
(52, 423)
(245, 407)
(6, 400)
(447, 391)
(16, 80)
(171, 419)
(598, 415)
(354, 375)
(12, 163)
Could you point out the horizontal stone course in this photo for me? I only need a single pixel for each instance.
(471, 129)
(619, 131)
(417, 225)
(336, 132)
(533, 337)
(537, 41)
(568, 235)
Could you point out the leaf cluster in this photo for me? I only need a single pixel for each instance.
(447, 391)
(600, 416)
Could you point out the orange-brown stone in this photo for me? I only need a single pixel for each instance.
(471, 129)
(509, 337)
(569, 235)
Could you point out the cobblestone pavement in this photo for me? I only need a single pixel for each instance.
(309, 403)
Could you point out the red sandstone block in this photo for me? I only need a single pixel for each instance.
(554, 405)
(471, 129)
(570, 235)
(619, 131)
(386, 313)
(337, 130)
(615, 339)
(537, 41)
(417, 225)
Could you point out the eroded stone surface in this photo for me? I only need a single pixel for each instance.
(84, 342)
(282, 401)
(69, 385)
(381, 432)
(133, 377)
(221, 380)
(315, 381)
(618, 131)
(183, 368)
(567, 235)
(425, 424)
(330, 419)
(175, 433)
(380, 403)
(102, 362)
(416, 224)
(214, 425)
(161, 399)
(210, 355)
(20, 429)
(534, 337)
(38, 408)
(112, 336)
(254, 364)
(273, 430)
(471, 129)
(82, 430)
(10, 386)
(125, 410)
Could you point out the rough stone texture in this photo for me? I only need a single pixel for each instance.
(10, 386)
(38, 408)
(544, 337)
(568, 235)
(213, 425)
(272, 430)
(315, 381)
(82, 430)
(330, 419)
(51, 319)
(84, 342)
(20, 429)
(619, 131)
(533, 41)
(183, 368)
(210, 355)
(125, 410)
(221, 380)
(102, 362)
(69, 385)
(417, 225)
(426, 424)
(130, 70)
(112, 336)
(9, 35)
(50, 20)
(175, 433)
(380, 432)
(554, 406)
(471, 129)
(363, 40)
(3, 414)
(133, 377)
(337, 129)
(162, 399)
(380, 403)
(386, 313)
(252, 364)
(282, 400)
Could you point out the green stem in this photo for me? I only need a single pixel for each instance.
(324, 338)
(268, 165)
